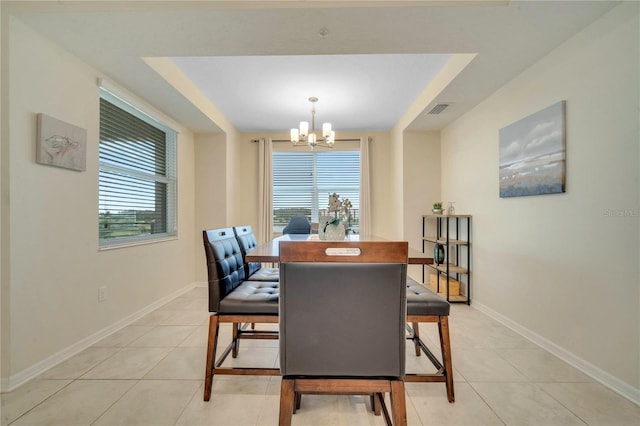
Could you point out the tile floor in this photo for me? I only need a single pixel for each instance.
(150, 373)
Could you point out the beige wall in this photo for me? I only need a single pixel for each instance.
(55, 267)
(563, 268)
(210, 168)
(421, 186)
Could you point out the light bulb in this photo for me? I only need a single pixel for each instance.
(304, 129)
(326, 130)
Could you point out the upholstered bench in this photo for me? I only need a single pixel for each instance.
(423, 305)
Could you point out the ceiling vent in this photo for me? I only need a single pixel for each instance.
(438, 108)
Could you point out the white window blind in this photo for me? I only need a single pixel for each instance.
(138, 176)
(303, 181)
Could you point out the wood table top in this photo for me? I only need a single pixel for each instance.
(269, 252)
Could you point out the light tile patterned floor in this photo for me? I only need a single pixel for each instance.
(150, 373)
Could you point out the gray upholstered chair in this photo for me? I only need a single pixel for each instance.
(298, 224)
(425, 306)
(253, 270)
(232, 299)
(342, 322)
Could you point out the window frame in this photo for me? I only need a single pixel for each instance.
(170, 178)
(317, 203)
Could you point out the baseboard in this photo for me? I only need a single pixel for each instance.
(18, 379)
(613, 383)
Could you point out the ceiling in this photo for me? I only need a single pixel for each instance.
(258, 61)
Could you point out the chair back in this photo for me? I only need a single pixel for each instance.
(343, 308)
(247, 242)
(225, 267)
(298, 224)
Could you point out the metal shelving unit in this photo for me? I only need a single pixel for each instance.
(454, 233)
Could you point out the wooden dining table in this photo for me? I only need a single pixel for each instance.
(270, 251)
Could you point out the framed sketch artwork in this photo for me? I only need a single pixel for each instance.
(60, 144)
(532, 154)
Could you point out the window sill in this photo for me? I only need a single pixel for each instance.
(134, 243)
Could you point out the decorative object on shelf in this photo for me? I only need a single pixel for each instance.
(332, 228)
(533, 155)
(451, 210)
(437, 207)
(60, 144)
(438, 254)
(302, 134)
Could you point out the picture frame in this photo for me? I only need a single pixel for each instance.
(60, 144)
(532, 158)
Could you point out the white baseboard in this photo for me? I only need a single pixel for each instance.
(18, 379)
(615, 384)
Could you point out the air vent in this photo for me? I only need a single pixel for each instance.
(438, 108)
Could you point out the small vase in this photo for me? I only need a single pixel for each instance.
(332, 233)
(437, 211)
(438, 254)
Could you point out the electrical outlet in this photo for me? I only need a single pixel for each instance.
(102, 293)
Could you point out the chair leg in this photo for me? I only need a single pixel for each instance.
(211, 355)
(235, 327)
(297, 402)
(398, 403)
(445, 345)
(287, 396)
(416, 337)
(375, 403)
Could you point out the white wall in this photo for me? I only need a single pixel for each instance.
(562, 267)
(55, 265)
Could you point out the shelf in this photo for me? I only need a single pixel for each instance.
(453, 269)
(444, 241)
(460, 298)
(464, 216)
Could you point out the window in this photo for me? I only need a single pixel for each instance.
(137, 178)
(303, 181)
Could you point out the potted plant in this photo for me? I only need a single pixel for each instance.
(437, 207)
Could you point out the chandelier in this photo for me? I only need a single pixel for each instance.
(302, 134)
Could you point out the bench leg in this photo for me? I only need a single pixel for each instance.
(445, 345)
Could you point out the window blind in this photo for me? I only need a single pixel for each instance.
(137, 177)
(303, 181)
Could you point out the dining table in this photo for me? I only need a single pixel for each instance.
(269, 252)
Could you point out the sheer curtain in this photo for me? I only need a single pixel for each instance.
(365, 188)
(265, 198)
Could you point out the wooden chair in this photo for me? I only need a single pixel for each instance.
(342, 328)
(232, 299)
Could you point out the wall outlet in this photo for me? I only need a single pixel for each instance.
(102, 293)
